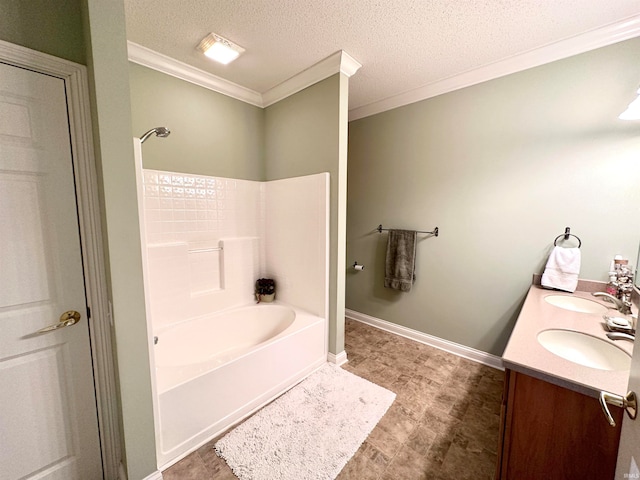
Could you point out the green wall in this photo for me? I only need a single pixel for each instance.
(501, 168)
(306, 134)
(211, 134)
(111, 116)
(50, 27)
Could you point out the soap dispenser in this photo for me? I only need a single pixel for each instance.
(612, 286)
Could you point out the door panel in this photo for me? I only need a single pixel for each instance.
(629, 451)
(20, 219)
(48, 425)
(37, 409)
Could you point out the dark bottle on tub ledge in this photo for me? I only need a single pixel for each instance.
(265, 290)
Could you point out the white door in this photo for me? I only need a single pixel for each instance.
(629, 451)
(48, 419)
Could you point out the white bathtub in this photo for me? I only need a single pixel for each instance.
(213, 371)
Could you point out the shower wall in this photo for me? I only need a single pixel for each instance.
(209, 238)
(297, 240)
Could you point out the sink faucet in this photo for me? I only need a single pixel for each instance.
(621, 336)
(623, 306)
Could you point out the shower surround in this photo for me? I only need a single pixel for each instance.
(205, 242)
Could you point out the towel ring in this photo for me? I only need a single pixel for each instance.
(566, 236)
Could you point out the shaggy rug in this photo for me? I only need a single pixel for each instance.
(310, 432)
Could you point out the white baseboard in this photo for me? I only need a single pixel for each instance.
(451, 347)
(339, 359)
(157, 475)
(122, 474)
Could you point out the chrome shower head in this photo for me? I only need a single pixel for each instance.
(159, 131)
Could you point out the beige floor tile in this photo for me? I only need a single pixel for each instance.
(190, 468)
(408, 464)
(399, 422)
(421, 439)
(367, 464)
(384, 441)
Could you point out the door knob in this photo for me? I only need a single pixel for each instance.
(66, 320)
(629, 402)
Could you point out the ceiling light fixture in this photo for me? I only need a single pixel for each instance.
(633, 110)
(219, 48)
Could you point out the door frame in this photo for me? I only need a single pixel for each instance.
(100, 323)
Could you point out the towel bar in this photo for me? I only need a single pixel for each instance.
(434, 233)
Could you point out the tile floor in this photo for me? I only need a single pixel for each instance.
(442, 426)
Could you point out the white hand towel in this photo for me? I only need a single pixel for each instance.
(562, 270)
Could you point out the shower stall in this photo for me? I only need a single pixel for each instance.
(215, 356)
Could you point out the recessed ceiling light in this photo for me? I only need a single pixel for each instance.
(219, 48)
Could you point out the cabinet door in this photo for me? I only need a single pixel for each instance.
(554, 433)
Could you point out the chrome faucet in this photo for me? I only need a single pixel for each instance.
(621, 336)
(623, 306)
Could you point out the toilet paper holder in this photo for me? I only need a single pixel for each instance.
(358, 267)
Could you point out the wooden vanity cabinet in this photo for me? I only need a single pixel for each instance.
(549, 432)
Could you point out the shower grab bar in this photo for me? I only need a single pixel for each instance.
(203, 250)
(434, 232)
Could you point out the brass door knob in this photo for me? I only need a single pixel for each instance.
(66, 320)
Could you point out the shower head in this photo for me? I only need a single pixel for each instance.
(159, 131)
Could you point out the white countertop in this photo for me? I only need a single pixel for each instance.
(525, 355)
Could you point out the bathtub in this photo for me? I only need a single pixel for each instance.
(215, 370)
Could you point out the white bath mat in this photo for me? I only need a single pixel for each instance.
(310, 432)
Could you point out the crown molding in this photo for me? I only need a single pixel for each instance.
(157, 61)
(597, 38)
(348, 65)
(340, 61)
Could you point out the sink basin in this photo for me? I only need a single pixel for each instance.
(576, 304)
(584, 349)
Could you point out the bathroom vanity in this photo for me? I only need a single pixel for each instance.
(552, 425)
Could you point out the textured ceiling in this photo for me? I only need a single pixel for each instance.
(402, 44)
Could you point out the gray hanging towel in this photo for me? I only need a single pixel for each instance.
(399, 266)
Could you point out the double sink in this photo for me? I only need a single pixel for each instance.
(561, 338)
(578, 347)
